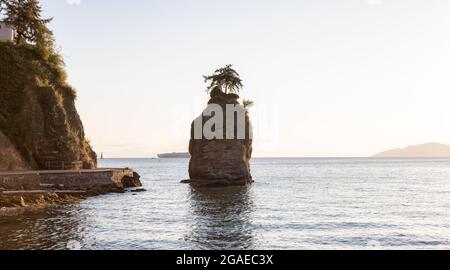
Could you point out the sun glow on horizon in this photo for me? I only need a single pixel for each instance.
(328, 78)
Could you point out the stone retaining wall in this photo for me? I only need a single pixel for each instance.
(68, 180)
(37, 187)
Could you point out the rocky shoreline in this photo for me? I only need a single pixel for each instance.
(16, 205)
(21, 191)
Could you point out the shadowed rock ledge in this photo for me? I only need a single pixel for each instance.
(221, 162)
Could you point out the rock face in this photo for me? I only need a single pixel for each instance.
(221, 162)
(39, 124)
(133, 180)
(10, 158)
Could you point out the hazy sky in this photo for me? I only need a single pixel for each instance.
(329, 78)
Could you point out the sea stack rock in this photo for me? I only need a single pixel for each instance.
(221, 143)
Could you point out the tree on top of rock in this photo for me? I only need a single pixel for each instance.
(25, 17)
(226, 78)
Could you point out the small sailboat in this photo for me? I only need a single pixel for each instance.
(101, 156)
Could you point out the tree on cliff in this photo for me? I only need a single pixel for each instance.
(25, 16)
(31, 32)
(226, 78)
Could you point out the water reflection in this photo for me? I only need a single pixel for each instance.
(48, 228)
(221, 218)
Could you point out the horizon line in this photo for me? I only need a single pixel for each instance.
(295, 157)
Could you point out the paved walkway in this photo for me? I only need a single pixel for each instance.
(61, 171)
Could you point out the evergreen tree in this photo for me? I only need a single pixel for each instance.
(226, 78)
(25, 16)
(31, 30)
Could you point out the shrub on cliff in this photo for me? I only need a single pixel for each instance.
(20, 63)
(248, 103)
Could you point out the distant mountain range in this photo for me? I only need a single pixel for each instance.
(427, 150)
(174, 155)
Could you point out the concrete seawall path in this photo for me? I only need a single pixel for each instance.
(61, 171)
(22, 189)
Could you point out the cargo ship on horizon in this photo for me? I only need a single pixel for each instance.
(174, 155)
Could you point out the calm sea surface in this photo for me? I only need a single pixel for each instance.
(294, 204)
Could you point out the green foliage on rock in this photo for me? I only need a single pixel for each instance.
(37, 109)
(20, 63)
(25, 17)
(34, 49)
(226, 78)
(248, 103)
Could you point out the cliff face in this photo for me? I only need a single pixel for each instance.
(10, 158)
(220, 162)
(38, 120)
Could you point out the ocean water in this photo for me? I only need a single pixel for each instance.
(294, 204)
